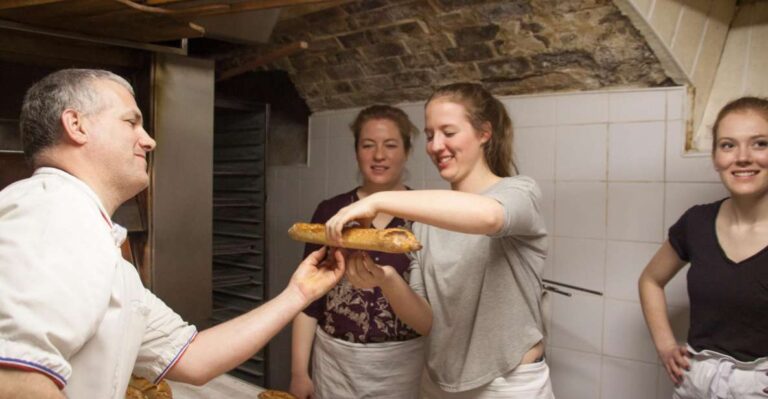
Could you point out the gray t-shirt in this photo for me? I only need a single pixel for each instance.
(485, 291)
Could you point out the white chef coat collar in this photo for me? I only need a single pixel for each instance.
(119, 233)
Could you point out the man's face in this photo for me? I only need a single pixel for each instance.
(119, 143)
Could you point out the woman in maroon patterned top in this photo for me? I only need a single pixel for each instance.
(360, 349)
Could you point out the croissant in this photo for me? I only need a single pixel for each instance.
(395, 240)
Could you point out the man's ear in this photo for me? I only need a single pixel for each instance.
(73, 123)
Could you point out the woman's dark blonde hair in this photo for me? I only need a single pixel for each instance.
(483, 108)
(743, 104)
(381, 111)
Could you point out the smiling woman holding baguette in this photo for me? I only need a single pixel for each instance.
(475, 287)
(359, 348)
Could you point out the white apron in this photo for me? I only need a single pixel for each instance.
(714, 375)
(342, 369)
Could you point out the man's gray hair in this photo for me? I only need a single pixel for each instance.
(40, 119)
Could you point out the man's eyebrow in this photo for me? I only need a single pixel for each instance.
(133, 114)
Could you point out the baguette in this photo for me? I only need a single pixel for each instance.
(395, 240)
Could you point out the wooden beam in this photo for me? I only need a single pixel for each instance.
(301, 10)
(249, 5)
(8, 4)
(166, 11)
(255, 62)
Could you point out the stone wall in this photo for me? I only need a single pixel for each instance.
(369, 51)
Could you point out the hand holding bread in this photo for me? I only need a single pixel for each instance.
(317, 274)
(364, 273)
(362, 211)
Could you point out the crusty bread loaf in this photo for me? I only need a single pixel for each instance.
(133, 393)
(395, 240)
(273, 394)
(140, 388)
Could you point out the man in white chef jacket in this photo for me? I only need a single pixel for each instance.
(75, 320)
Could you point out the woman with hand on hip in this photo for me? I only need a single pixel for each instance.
(726, 243)
(475, 288)
(359, 348)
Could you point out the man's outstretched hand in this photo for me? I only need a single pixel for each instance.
(317, 274)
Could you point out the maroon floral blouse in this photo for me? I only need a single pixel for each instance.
(358, 315)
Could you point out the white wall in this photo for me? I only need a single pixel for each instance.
(614, 179)
(741, 70)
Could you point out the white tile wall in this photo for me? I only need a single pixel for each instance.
(575, 375)
(581, 108)
(581, 152)
(580, 261)
(624, 263)
(580, 209)
(636, 151)
(627, 379)
(535, 152)
(624, 333)
(576, 321)
(675, 104)
(666, 386)
(613, 179)
(686, 168)
(531, 110)
(637, 106)
(635, 211)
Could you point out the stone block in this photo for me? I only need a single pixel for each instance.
(373, 83)
(476, 52)
(413, 78)
(343, 56)
(367, 20)
(309, 76)
(470, 35)
(504, 11)
(356, 39)
(410, 29)
(382, 50)
(344, 71)
(456, 4)
(306, 61)
(383, 66)
(437, 42)
(342, 87)
(457, 72)
(426, 59)
(336, 102)
(322, 45)
(455, 20)
(360, 6)
(548, 62)
(511, 67)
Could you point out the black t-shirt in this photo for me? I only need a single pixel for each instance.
(729, 300)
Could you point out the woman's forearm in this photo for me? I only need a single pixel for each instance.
(664, 265)
(654, 304)
(447, 209)
(301, 343)
(408, 306)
